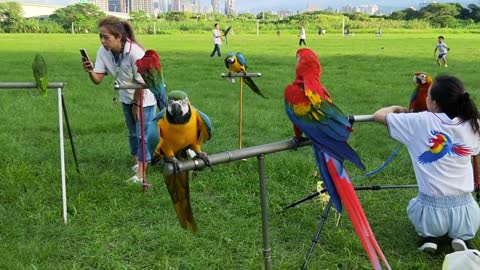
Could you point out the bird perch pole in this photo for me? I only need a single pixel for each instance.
(240, 75)
(259, 151)
(59, 86)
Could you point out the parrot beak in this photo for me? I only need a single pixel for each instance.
(176, 110)
(231, 60)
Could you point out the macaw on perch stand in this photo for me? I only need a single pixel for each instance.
(312, 112)
(418, 100)
(151, 71)
(170, 134)
(236, 62)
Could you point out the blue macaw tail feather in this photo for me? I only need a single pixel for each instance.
(161, 95)
(327, 180)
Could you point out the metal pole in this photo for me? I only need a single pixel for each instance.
(240, 115)
(59, 86)
(62, 155)
(263, 199)
(64, 107)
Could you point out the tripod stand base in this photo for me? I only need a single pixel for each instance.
(323, 218)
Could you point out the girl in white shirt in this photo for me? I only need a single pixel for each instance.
(117, 57)
(440, 142)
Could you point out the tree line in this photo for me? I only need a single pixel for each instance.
(82, 18)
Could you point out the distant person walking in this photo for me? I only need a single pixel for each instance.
(217, 40)
(442, 51)
(302, 36)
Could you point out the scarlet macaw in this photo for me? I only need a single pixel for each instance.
(174, 130)
(236, 62)
(39, 68)
(312, 112)
(418, 100)
(151, 71)
(441, 144)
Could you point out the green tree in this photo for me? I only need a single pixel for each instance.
(139, 16)
(84, 16)
(11, 17)
(267, 16)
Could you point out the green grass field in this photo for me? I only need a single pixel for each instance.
(114, 225)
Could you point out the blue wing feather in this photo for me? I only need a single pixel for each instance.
(330, 134)
(327, 180)
(241, 59)
(153, 134)
(206, 121)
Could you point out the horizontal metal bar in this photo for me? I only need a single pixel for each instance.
(360, 118)
(248, 152)
(23, 85)
(238, 154)
(240, 74)
(128, 86)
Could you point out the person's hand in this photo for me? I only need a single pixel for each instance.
(87, 65)
(398, 109)
(135, 112)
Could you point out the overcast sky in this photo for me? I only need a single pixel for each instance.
(293, 5)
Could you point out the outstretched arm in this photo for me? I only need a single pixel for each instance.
(379, 116)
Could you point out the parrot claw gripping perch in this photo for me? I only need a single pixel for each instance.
(174, 162)
(203, 156)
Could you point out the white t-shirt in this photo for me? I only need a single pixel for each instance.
(442, 47)
(302, 33)
(217, 37)
(440, 149)
(125, 72)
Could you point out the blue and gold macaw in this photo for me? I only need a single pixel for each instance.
(313, 113)
(170, 134)
(236, 62)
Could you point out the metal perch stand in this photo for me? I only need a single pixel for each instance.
(259, 151)
(240, 75)
(59, 86)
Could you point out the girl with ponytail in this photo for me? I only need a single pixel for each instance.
(440, 142)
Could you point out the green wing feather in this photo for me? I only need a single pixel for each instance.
(39, 68)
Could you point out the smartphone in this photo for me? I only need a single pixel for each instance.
(84, 54)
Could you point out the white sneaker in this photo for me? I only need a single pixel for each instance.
(135, 168)
(428, 247)
(135, 180)
(459, 245)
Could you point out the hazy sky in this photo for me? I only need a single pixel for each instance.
(293, 5)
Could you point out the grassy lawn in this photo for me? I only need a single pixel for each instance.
(114, 225)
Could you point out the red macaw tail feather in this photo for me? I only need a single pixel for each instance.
(179, 190)
(355, 212)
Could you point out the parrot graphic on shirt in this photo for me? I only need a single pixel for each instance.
(313, 113)
(441, 145)
(151, 71)
(170, 134)
(39, 68)
(418, 100)
(236, 62)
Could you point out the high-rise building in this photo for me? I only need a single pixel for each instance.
(216, 6)
(163, 5)
(176, 5)
(142, 5)
(101, 4)
(230, 7)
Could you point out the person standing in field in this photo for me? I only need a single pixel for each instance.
(303, 36)
(217, 40)
(440, 142)
(117, 56)
(442, 52)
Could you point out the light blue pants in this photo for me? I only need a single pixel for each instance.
(134, 130)
(455, 216)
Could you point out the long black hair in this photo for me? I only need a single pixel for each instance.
(450, 95)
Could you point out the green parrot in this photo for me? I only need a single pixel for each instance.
(170, 134)
(236, 62)
(39, 68)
